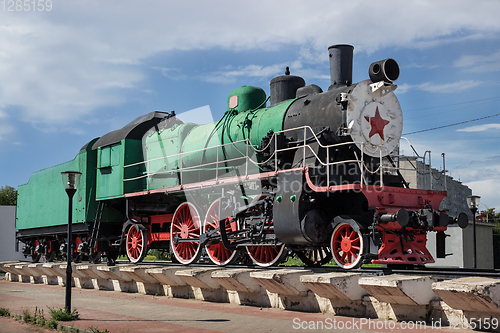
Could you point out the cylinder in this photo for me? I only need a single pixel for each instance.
(386, 70)
(340, 64)
(285, 87)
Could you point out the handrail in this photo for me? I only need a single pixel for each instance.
(249, 157)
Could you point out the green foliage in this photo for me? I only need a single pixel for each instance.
(491, 217)
(159, 254)
(4, 312)
(96, 330)
(38, 319)
(8, 196)
(292, 261)
(63, 314)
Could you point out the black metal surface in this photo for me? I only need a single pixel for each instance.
(285, 87)
(286, 211)
(49, 231)
(133, 130)
(386, 70)
(340, 64)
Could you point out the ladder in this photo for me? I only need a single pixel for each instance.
(96, 227)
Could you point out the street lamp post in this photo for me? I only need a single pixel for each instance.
(71, 180)
(473, 203)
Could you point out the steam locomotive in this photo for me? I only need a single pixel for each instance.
(313, 173)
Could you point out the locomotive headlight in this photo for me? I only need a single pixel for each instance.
(386, 70)
(375, 118)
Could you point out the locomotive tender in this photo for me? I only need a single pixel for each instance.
(314, 173)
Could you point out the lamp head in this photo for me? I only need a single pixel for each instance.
(473, 201)
(71, 179)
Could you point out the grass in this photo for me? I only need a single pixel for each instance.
(38, 319)
(4, 312)
(63, 314)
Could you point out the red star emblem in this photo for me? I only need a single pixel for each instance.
(377, 123)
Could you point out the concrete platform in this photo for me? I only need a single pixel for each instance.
(399, 297)
(120, 312)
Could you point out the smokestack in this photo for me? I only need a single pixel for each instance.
(340, 64)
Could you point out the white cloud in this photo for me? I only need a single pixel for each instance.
(488, 190)
(479, 63)
(231, 74)
(62, 66)
(53, 77)
(480, 128)
(443, 88)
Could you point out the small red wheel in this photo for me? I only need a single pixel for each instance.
(266, 255)
(51, 251)
(347, 245)
(315, 257)
(36, 253)
(216, 251)
(185, 225)
(136, 244)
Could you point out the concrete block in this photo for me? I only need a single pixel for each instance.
(5, 268)
(80, 279)
(17, 275)
(401, 312)
(241, 288)
(55, 270)
(338, 286)
(166, 275)
(285, 290)
(98, 279)
(400, 289)
(146, 284)
(477, 294)
(202, 285)
(120, 281)
(199, 277)
(237, 280)
(173, 286)
(28, 275)
(47, 277)
(282, 281)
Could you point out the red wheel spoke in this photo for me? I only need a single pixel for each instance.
(347, 245)
(185, 226)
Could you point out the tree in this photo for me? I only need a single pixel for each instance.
(490, 216)
(8, 196)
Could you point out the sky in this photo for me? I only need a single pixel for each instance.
(71, 71)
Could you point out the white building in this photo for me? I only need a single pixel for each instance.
(8, 235)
